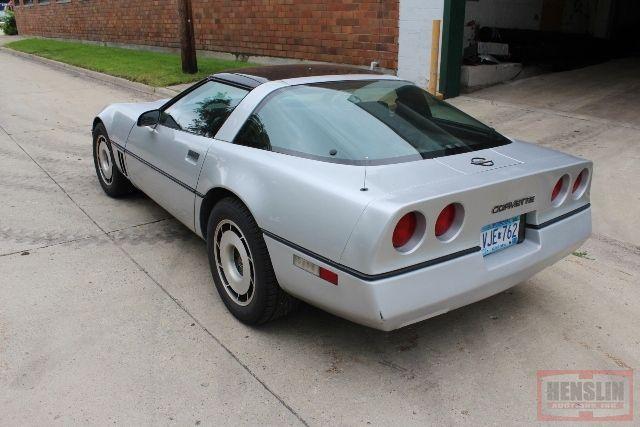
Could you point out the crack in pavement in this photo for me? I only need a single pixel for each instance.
(49, 245)
(629, 247)
(139, 225)
(4, 233)
(65, 128)
(166, 292)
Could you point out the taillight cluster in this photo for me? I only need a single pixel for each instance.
(560, 189)
(411, 228)
(445, 220)
(580, 183)
(556, 189)
(405, 229)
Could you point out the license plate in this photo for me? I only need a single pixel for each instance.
(497, 236)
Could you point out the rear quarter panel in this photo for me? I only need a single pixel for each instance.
(310, 203)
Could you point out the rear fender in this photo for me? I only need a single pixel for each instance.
(308, 203)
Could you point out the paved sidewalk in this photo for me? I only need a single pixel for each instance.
(108, 313)
(4, 39)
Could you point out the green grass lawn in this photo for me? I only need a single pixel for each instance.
(152, 68)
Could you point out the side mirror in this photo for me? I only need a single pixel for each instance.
(150, 118)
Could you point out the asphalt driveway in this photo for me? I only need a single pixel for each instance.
(108, 312)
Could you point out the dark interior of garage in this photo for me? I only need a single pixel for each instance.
(506, 40)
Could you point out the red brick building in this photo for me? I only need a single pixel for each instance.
(396, 33)
(343, 31)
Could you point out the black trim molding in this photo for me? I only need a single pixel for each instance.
(559, 218)
(370, 277)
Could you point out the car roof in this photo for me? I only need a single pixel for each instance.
(255, 76)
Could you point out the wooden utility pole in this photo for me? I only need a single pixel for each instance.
(187, 37)
(435, 55)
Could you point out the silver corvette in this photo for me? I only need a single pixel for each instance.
(358, 193)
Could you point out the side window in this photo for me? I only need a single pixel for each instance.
(204, 110)
(253, 134)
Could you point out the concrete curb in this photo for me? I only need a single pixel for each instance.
(256, 59)
(105, 78)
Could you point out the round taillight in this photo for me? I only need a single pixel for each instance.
(405, 229)
(445, 220)
(579, 179)
(556, 190)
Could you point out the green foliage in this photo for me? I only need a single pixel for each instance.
(8, 23)
(582, 254)
(152, 68)
(212, 112)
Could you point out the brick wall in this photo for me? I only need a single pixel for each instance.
(147, 22)
(343, 31)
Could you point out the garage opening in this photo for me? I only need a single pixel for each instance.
(504, 40)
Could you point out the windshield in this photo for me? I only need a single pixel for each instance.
(363, 122)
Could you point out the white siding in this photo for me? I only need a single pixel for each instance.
(414, 50)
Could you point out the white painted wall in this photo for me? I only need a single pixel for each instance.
(414, 50)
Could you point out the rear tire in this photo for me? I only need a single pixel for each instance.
(241, 266)
(112, 181)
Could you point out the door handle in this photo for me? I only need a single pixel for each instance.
(192, 156)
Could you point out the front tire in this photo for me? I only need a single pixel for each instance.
(241, 266)
(112, 181)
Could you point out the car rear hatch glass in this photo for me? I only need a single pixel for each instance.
(364, 122)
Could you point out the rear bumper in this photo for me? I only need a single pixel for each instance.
(396, 301)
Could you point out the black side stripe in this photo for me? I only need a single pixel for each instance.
(370, 277)
(559, 218)
(157, 169)
(118, 145)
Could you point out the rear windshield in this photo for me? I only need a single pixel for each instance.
(363, 122)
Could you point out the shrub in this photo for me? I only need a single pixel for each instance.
(8, 23)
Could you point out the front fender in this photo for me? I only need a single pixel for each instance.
(119, 119)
